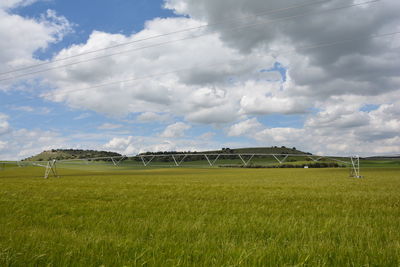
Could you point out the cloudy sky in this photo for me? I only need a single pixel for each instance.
(133, 76)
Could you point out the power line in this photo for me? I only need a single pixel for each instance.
(166, 34)
(216, 64)
(320, 45)
(184, 39)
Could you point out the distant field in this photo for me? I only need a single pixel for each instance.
(103, 215)
(385, 163)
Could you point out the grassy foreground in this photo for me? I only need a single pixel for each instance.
(200, 217)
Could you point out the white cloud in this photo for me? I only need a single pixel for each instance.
(3, 145)
(17, 144)
(153, 117)
(82, 116)
(4, 125)
(175, 130)
(222, 82)
(23, 143)
(263, 105)
(202, 93)
(20, 37)
(214, 115)
(132, 145)
(245, 127)
(207, 136)
(109, 126)
(29, 109)
(212, 93)
(280, 136)
(339, 131)
(5, 4)
(24, 108)
(122, 145)
(363, 67)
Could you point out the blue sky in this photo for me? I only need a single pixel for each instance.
(119, 16)
(254, 86)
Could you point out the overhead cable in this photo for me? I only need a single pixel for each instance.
(316, 46)
(163, 35)
(184, 39)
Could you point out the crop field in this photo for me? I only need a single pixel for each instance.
(105, 216)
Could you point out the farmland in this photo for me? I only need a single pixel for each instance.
(95, 216)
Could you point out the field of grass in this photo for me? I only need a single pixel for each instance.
(104, 216)
(380, 163)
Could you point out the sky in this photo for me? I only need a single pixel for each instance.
(183, 75)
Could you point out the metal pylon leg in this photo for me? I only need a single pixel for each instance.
(117, 162)
(246, 162)
(146, 162)
(280, 161)
(51, 168)
(355, 167)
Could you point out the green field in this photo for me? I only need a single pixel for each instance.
(107, 216)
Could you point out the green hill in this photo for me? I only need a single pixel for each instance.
(60, 154)
(248, 150)
(261, 150)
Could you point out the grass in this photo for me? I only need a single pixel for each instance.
(380, 163)
(199, 217)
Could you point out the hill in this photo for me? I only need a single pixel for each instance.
(60, 154)
(262, 150)
(247, 150)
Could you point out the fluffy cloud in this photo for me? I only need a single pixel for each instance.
(202, 91)
(175, 130)
(109, 126)
(227, 76)
(364, 66)
(222, 81)
(343, 143)
(132, 145)
(17, 144)
(23, 143)
(272, 105)
(337, 79)
(153, 117)
(29, 109)
(245, 127)
(3, 145)
(4, 125)
(21, 37)
(6, 4)
(207, 136)
(342, 131)
(123, 145)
